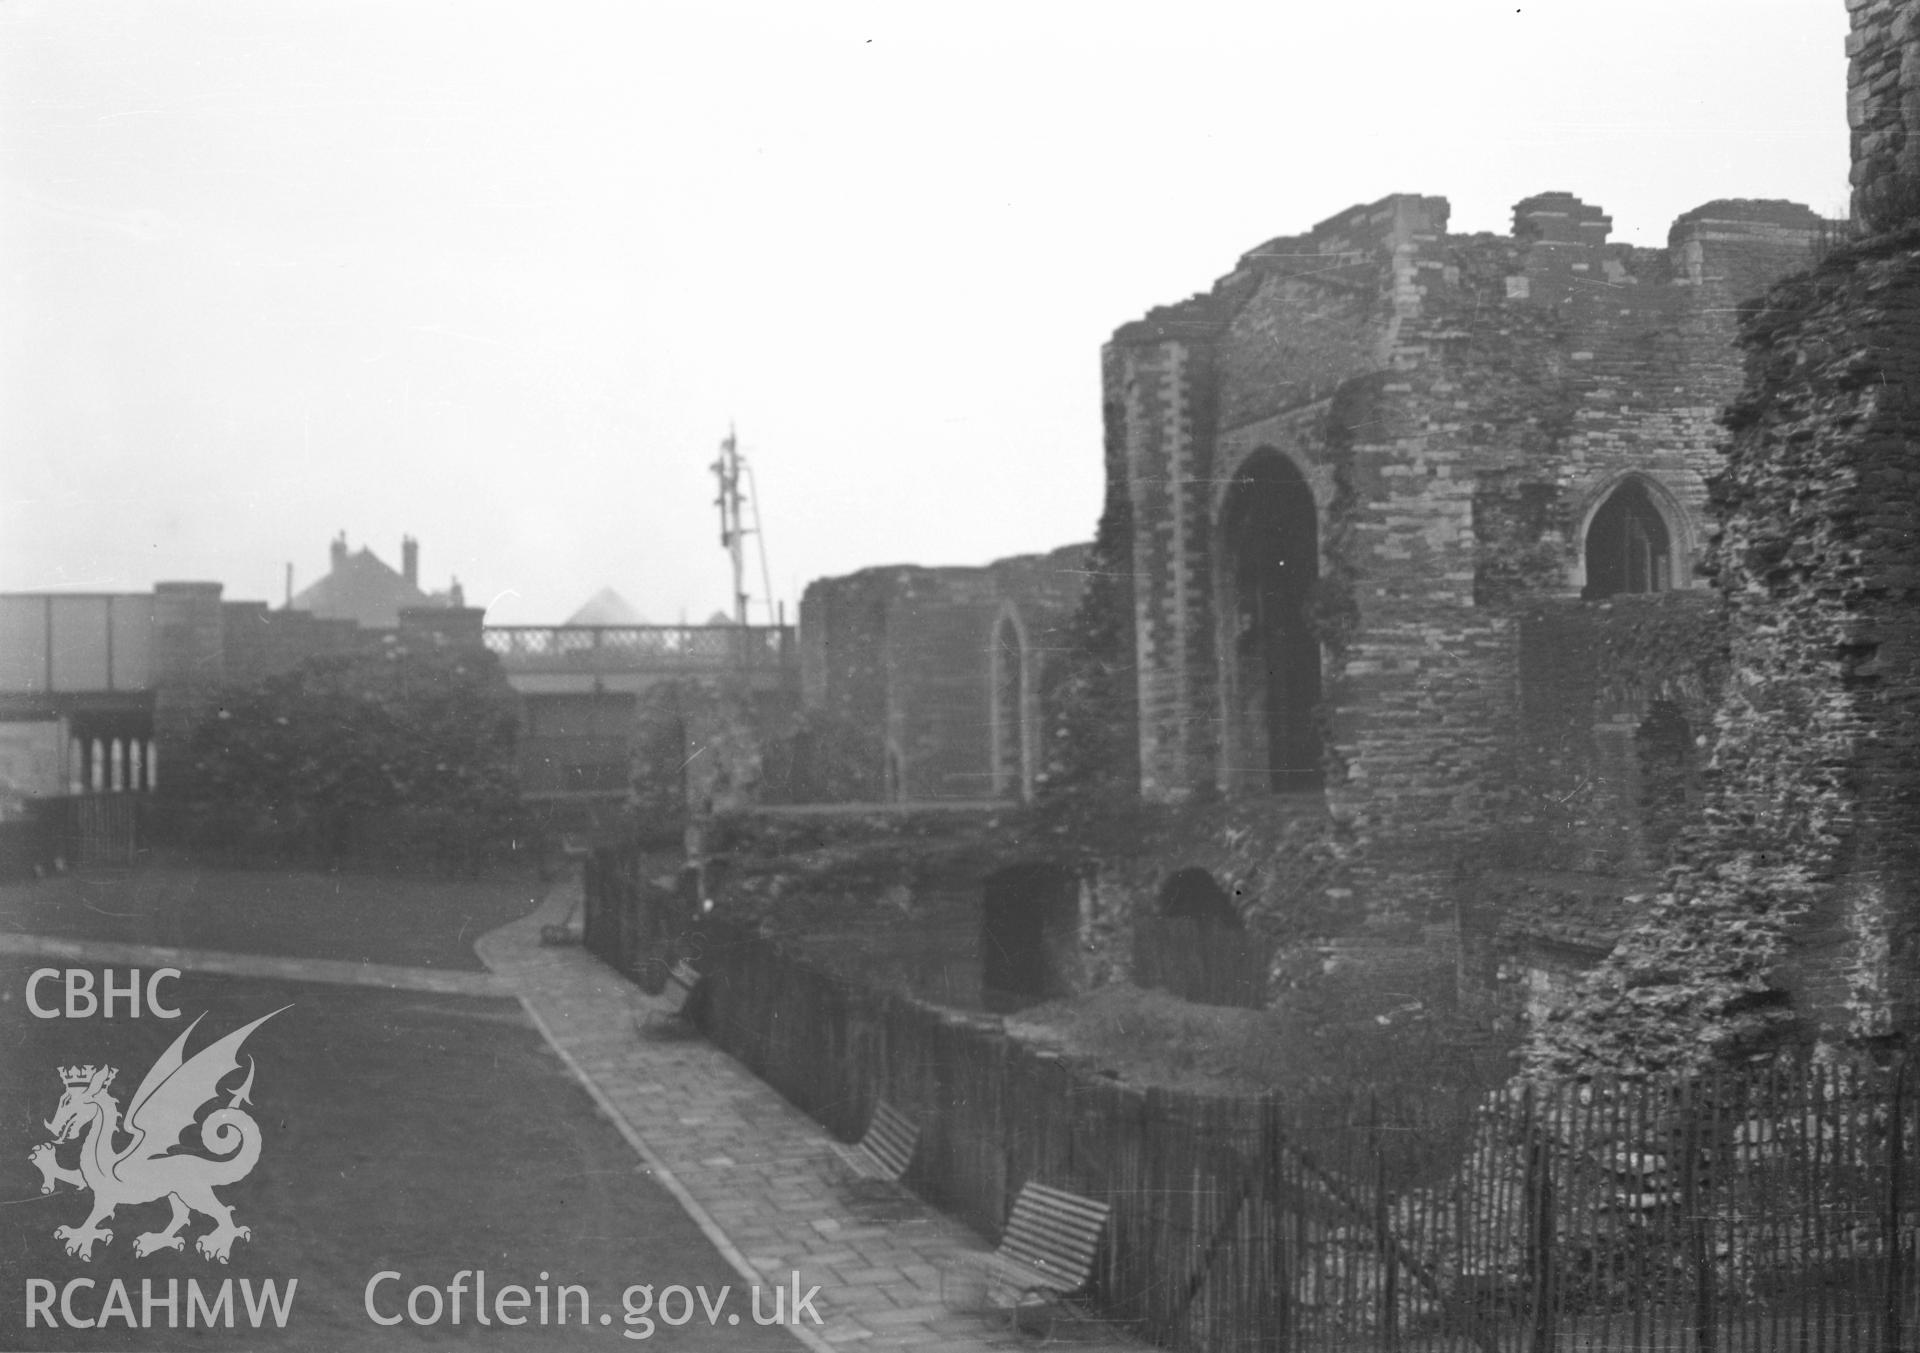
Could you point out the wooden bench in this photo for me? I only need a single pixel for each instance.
(887, 1148)
(673, 1016)
(1047, 1249)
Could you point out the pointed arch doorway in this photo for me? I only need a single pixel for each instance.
(1269, 561)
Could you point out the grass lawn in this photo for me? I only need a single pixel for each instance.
(400, 1132)
(355, 917)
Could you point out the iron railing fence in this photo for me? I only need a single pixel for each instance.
(1767, 1208)
(618, 645)
(80, 830)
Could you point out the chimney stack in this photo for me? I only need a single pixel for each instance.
(410, 560)
(339, 551)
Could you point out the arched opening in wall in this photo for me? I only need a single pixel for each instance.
(1194, 895)
(1196, 946)
(1270, 556)
(1010, 759)
(1629, 548)
(1028, 934)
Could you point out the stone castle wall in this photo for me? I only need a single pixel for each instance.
(1794, 910)
(902, 657)
(1458, 407)
(1819, 760)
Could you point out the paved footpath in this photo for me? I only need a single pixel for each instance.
(757, 1175)
(445, 982)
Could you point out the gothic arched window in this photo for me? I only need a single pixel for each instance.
(1011, 754)
(1629, 548)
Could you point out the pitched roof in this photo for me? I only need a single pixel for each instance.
(361, 588)
(606, 607)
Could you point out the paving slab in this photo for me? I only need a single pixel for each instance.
(759, 1177)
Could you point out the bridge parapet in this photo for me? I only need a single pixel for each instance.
(72, 643)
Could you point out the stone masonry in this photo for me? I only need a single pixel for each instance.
(1458, 410)
(1795, 906)
(941, 668)
(1883, 108)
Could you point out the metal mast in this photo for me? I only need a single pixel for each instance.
(733, 528)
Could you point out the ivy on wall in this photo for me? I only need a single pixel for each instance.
(1088, 695)
(1648, 648)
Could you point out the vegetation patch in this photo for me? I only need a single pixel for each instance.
(804, 873)
(1319, 1045)
(401, 753)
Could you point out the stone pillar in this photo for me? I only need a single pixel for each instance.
(1883, 110)
(1167, 405)
(189, 663)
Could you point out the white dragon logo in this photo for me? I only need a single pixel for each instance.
(164, 1107)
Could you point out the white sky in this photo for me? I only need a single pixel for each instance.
(500, 276)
